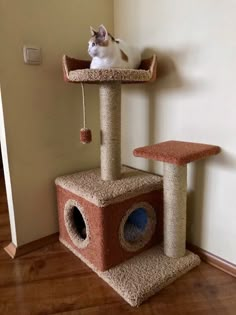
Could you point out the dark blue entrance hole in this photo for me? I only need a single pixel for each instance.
(135, 225)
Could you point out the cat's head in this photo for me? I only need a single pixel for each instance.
(100, 43)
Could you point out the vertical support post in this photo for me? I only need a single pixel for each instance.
(110, 124)
(175, 197)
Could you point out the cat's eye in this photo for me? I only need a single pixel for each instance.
(93, 44)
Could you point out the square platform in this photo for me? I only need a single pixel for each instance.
(177, 152)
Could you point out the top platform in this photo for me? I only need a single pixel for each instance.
(177, 152)
(77, 71)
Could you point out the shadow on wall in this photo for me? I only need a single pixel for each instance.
(168, 79)
(168, 75)
(196, 198)
(195, 203)
(226, 159)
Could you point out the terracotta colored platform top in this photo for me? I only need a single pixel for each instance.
(77, 71)
(90, 186)
(177, 152)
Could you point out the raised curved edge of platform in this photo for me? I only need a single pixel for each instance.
(77, 71)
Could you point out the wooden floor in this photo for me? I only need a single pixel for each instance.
(54, 281)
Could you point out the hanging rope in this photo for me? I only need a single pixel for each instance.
(84, 108)
(85, 133)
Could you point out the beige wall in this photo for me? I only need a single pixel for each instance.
(193, 100)
(43, 115)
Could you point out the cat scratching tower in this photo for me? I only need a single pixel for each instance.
(112, 217)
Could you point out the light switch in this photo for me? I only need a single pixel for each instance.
(32, 55)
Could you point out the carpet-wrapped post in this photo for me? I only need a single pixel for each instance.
(175, 197)
(110, 124)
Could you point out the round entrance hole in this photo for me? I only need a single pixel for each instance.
(79, 223)
(134, 228)
(76, 223)
(137, 226)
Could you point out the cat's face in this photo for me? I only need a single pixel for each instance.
(99, 42)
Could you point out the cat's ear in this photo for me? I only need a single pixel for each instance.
(103, 32)
(92, 31)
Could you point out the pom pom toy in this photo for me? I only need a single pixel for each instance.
(85, 135)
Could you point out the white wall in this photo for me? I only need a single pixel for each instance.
(193, 100)
(43, 115)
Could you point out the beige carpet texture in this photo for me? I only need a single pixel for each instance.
(90, 186)
(140, 277)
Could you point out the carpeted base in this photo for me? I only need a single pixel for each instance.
(142, 276)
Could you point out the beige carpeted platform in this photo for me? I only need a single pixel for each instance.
(90, 186)
(76, 71)
(142, 276)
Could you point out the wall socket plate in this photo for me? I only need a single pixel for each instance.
(32, 55)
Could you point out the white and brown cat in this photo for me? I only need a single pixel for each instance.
(108, 52)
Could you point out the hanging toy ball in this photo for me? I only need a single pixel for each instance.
(85, 135)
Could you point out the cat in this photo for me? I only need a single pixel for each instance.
(108, 52)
